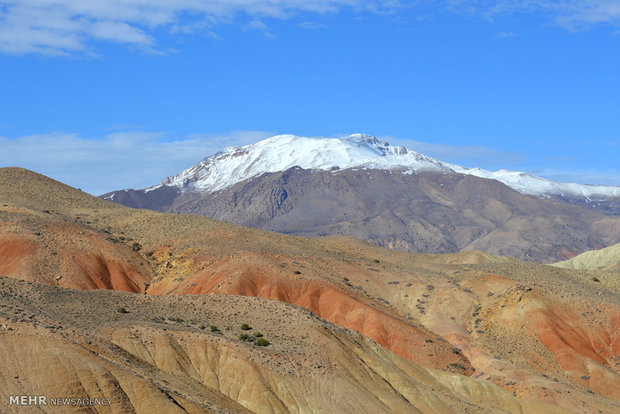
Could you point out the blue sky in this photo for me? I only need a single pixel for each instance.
(121, 93)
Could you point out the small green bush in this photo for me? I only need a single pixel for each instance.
(245, 327)
(595, 279)
(244, 337)
(203, 327)
(458, 365)
(262, 342)
(214, 328)
(149, 254)
(135, 246)
(376, 261)
(297, 272)
(258, 335)
(122, 309)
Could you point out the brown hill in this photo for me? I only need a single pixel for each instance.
(147, 359)
(421, 212)
(539, 332)
(603, 259)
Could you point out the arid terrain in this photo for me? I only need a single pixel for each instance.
(352, 327)
(431, 212)
(603, 259)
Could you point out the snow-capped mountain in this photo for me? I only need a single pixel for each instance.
(282, 152)
(362, 187)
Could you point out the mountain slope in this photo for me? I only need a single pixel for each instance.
(603, 259)
(426, 211)
(362, 187)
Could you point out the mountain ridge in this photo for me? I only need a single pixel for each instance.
(281, 152)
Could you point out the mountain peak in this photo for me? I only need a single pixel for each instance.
(281, 152)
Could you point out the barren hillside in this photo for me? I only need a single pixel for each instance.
(537, 332)
(603, 259)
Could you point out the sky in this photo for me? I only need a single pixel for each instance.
(121, 93)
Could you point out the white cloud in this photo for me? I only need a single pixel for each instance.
(506, 35)
(256, 25)
(311, 25)
(465, 155)
(605, 177)
(570, 14)
(60, 27)
(123, 159)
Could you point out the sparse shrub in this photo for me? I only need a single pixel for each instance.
(245, 327)
(595, 279)
(297, 272)
(244, 337)
(376, 261)
(346, 279)
(429, 340)
(149, 254)
(214, 328)
(262, 342)
(122, 309)
(203, 327)
(456, 351)
(135, 246)
(258, 335)
(457, 365)
(175, 319)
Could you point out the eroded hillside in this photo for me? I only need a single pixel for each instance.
(537, 332)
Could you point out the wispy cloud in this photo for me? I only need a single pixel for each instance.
(67, 27)
(311, 25)
(121, 159)
(506, 35)
(581, 176)
(256, 25)
(61, 27)
(466, 155)
(570, 14)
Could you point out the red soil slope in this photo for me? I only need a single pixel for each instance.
(410, 341)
